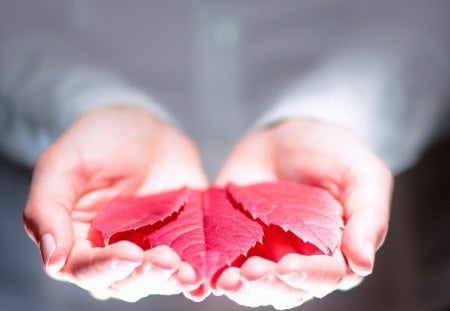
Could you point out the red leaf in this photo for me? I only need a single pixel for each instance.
(134, 213)
(220, 226)
(311, 213)
(209, 233)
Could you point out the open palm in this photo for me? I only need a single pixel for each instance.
(106, 154)
(323, 155)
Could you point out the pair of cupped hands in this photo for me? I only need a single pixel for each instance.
(115, 152)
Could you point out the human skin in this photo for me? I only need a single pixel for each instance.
(324, 155)
(105, 154)
(115, 152)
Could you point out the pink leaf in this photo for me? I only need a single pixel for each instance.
(221, 226)
(209, 233)
(134, 213)
(311, 213)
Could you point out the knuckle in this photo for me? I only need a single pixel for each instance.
(29, 216)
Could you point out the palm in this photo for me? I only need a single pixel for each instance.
(103, 156)
(329, 157)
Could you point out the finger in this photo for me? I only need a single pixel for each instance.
(101, 295)
(187, 277)
(97, 268)
(267, 290)
(147, 280)
(255, 284)
(154, 276)
(144, 281)
(47, 214)
(199, 294)
(250, 162)
(191, 282)
(367, 205)
(232, 279)
(350, 280)
(318, 274)
(254, 268)
(162, 257)
(257, 267)
(229, 281)
(108, 293)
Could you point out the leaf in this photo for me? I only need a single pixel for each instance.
(311, 213)
(209, 233)
(128, 214)
(219, 227)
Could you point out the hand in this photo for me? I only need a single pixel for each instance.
(330, 157)
(106, 154)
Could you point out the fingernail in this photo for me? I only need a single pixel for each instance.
(370, 253)
(48, 247)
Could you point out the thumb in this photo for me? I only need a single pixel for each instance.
(367, 217)
(47, 216)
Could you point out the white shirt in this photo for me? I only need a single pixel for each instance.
(381, 68)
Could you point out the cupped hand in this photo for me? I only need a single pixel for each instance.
(327, 156)
(106, 154)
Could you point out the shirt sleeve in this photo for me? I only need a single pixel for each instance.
(45, 85)
(391, 90)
